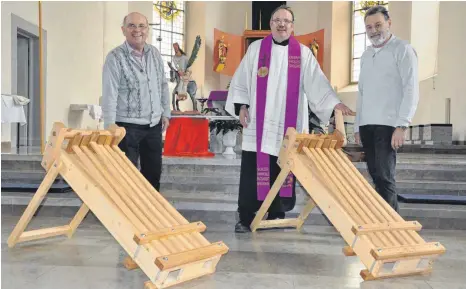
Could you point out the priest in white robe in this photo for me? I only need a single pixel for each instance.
(270, 91)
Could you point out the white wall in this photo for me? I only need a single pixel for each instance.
(79, 35)
(452, 64)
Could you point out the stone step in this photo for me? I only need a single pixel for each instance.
(206, 206)
(428, 178)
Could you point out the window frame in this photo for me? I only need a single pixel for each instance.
(158, 29)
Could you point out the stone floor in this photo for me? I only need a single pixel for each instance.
(267, 259)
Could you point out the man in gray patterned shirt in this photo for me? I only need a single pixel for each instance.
(135, 96)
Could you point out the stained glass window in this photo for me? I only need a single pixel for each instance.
(360, 41)
(171, 17)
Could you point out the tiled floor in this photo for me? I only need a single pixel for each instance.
(268, 259)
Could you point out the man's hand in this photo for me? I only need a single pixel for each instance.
(357, 138)
(165, 123)
(244, 116)
(344, 109)
(398, 138)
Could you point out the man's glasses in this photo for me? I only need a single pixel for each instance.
(133, 26)
(284, 21)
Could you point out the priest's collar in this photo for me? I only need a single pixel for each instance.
(283, 43)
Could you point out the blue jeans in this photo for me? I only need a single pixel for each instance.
(144, 142)
(381, 160)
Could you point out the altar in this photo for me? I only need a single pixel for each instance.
(189, 135)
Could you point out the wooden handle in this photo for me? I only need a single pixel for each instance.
(340, 124)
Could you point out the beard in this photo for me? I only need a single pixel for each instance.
(379, 38)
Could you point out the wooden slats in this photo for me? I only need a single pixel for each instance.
(126, 203)
(375, 232)
(146, 238)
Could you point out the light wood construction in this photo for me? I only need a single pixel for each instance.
(157, 238)
(386, 244)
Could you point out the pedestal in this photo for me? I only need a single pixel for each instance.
(187, 137)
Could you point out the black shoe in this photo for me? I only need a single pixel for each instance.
(240, 228)
(276, 215)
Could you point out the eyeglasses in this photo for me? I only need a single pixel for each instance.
(133, 26)
(284, 21)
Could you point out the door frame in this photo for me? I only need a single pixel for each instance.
(31, 31)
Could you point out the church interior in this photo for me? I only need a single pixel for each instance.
(59, 163)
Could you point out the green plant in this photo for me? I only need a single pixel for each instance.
(225, 125)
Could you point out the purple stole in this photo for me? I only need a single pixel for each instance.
(292, 98)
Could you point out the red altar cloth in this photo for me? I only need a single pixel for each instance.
(187, 137)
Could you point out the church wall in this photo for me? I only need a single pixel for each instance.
(340, 64)
(424, 35)
(79, 36)
(74, 53)
(202, 19)
(25, 10)
(452, 64)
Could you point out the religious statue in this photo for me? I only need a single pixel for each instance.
(314, 48)
(222, 54)
(181, 73)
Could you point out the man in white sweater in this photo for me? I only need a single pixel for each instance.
(387, 100)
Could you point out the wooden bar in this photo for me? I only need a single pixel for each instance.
(43, 233)
(269, 199)
(421, 250)
(176, 260)
(34, 204)
(278, 223)
(78, 218)
(392, 226)
(169, 232)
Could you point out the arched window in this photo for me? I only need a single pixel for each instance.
(360, 41)
(170, 18)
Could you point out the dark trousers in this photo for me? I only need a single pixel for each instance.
(248, 204)
(381, 160)
(145, 143)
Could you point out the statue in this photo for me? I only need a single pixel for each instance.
(314, 48)
(181, 73)
(222, 54)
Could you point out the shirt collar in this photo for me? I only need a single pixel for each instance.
(134, 52)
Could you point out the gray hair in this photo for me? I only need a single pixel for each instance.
(283, 7)
(126, 17)
(377, 9)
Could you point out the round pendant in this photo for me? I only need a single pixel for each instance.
(263, 71)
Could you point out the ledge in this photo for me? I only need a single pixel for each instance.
(349, 88)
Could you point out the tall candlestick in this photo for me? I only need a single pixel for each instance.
(246, 21)
(260, 20)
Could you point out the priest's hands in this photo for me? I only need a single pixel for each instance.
(344, 109)
(244, 116)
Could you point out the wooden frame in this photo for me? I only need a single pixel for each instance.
(386, 244)
(158, 239)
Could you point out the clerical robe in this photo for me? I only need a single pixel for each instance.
(314, 90)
